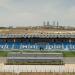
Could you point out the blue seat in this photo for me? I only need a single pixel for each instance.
(72, 43)
(17, 45)
(10, 44)
(51, 43)
(2, 44)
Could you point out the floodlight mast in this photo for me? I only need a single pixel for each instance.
(57, 27)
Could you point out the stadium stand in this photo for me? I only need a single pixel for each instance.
(47, 46)
(37, 38)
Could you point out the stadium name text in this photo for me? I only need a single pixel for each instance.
(61, 46)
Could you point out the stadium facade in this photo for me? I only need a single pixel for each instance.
(37, 39)
(49, 42)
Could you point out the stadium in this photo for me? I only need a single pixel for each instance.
(37, 38)
(43, 48)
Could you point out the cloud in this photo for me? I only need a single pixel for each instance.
(33, 12)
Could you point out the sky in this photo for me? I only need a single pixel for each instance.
(34, 12)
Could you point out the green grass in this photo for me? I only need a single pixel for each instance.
(69, 54)
(3, 53)
(65, 53)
